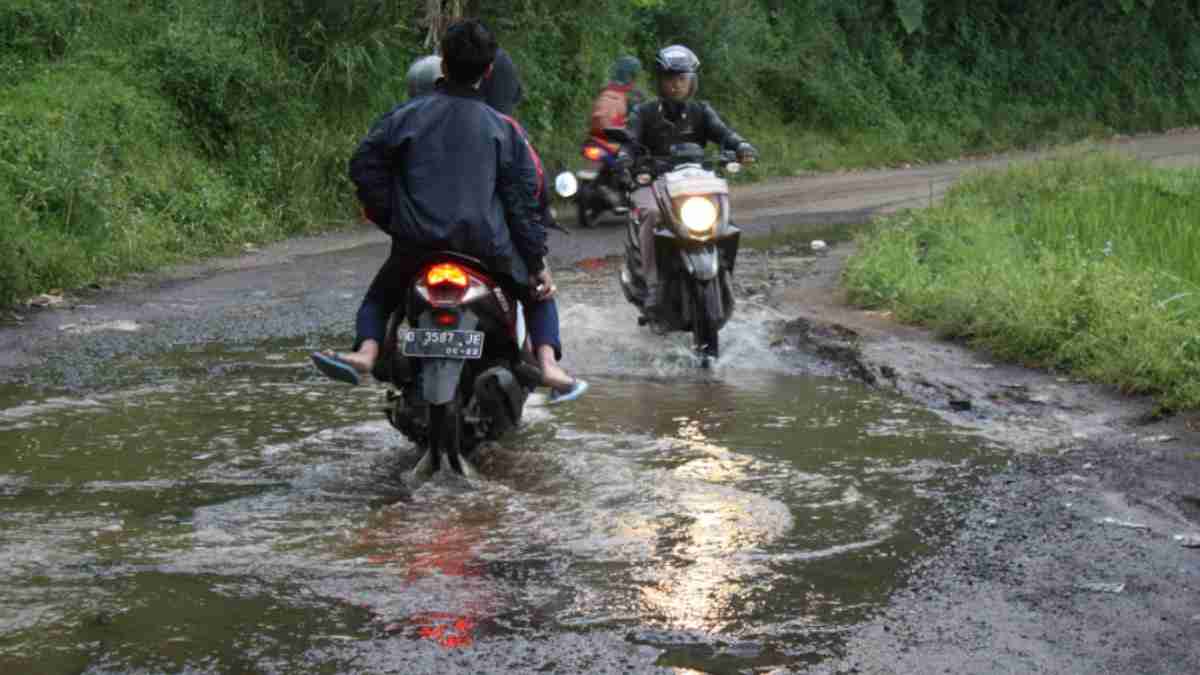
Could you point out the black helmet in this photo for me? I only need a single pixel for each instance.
(676, 60)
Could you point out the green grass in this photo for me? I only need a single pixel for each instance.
(1088, 264)
(99, 177)
(134, 135)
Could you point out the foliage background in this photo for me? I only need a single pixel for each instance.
(134, 133)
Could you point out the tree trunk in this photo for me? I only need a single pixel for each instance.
(438, 15)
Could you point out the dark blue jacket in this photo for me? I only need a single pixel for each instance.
(502, 89)
(447, 172)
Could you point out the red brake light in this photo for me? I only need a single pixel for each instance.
(446, 273)
(593, 152)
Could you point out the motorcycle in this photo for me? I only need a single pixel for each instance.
(598, 189)
(695, 243)
(461, 371)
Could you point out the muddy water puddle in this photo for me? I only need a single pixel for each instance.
(238, 514)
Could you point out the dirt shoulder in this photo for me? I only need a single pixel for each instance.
(1076, 558)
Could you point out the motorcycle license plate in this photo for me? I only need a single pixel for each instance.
(443, 344)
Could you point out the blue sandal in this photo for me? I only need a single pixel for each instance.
(335, 368)
(562, 396)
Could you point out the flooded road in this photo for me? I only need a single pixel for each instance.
(237, 513)
(215, 507)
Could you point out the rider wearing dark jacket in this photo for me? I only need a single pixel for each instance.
(661, 123)
(445, 171)
(445, 196)
(668, 120)
(424, 77)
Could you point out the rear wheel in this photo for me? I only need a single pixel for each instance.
(706, 318)
(446, 432)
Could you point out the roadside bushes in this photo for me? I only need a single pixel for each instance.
(221, 121)
(38, 29)
(98, 178)
(219, 83)
(1089, 265)
(123, 154)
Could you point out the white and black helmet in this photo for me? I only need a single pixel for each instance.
(676, 60)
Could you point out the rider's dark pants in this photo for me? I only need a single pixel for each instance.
(387, 291)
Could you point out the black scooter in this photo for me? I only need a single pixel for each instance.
(461, 369)
(696, 244)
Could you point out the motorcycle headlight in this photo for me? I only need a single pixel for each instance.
(565, 184)
(699, 214)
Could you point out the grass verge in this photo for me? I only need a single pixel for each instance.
(1088, 264)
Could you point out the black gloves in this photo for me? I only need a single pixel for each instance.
(746, 153)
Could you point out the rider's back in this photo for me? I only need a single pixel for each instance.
(434, 166)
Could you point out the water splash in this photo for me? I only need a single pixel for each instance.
(608, 340)
(746, 503)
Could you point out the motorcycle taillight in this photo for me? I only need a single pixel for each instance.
(593, 152)
(444, 274)
(446, 284)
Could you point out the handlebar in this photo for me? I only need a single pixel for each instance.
(630, 167)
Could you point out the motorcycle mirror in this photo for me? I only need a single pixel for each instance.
(565, 184)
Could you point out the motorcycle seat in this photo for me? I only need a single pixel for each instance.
(454, 255)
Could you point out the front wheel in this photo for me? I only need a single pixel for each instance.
(706, 318)
(583, 210)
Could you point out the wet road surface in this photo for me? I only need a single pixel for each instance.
(218, 507)
(180, 492)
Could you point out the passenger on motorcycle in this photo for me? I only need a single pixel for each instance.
(502, 87)
(425, 76)
(444, 171)
(670, 119)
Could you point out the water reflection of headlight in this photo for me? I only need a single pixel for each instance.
(721, 531)
(699, 214)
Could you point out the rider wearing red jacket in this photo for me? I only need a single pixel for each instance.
(613, 103)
